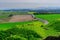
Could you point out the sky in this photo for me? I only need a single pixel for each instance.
(11, 4)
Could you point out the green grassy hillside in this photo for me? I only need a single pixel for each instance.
(34, 26)
(32, 30)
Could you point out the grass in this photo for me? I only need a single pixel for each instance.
(52, 27)
(49, 17)
(35, 26)
(31, 25)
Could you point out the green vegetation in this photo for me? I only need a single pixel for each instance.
(18, 33)
(29, 30)
(49, 17)
(5, 14)
(55, 25)
(53, 28)
(23, 28)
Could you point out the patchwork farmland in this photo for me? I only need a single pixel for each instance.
(25, 27)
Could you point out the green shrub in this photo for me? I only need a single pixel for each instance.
(9, 34)
(56, 26)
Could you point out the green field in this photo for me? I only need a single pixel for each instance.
(49, 17)
(32, 25)
(31, 30)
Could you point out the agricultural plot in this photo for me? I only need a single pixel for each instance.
(49, 17)
(31, 30)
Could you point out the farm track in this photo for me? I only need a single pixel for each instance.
(41, 20)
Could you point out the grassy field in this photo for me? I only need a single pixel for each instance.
(31, 25)
(34, 26)
(31, 30)
(54, 22)
(49, 17)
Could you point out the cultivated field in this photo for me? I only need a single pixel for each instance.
(21, 18)
(31, 29)
(49, 17)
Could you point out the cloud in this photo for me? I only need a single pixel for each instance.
(32, 1)
(19, 5)
(29, 3)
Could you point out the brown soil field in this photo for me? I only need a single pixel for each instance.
(21, 18)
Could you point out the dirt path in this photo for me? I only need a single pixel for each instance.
(42, 20)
